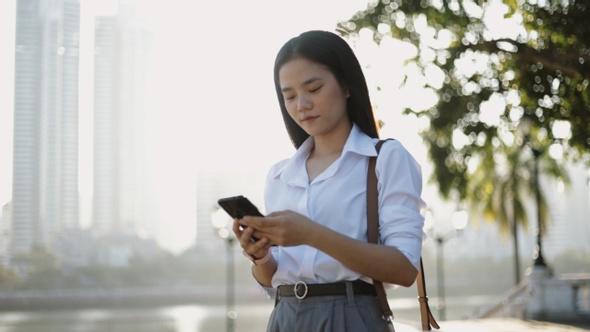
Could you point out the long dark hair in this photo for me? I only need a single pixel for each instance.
(330, 50)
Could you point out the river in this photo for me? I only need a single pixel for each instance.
(181, 318)
(192, 318)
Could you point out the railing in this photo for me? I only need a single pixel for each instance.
(517, 302)
(580, 283)
(513, 303)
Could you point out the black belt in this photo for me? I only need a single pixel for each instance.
(302, 290)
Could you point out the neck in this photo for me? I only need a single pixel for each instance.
(329, 145)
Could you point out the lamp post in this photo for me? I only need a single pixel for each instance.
(524, 127)
(538, 259)
(459, 221)
(221, 222)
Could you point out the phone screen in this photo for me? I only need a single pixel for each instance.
(239, 206)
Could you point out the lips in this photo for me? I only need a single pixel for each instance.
(309, 117)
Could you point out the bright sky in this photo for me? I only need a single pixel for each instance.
(215, 91)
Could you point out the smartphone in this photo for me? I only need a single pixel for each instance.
(238, 207)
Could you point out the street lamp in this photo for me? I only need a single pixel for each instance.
(525, 127)
(223, 224)
(538, 259)
(459, 221)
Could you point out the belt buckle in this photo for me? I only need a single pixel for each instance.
(296, 287)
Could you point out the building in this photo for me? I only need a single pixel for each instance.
(568, 228)
(122, 199)
(5, 229)
(45, 164)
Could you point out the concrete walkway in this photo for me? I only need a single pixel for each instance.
(493, 325)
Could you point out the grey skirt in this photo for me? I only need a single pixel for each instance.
(342, 313)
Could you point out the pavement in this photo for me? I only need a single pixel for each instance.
(496, 325)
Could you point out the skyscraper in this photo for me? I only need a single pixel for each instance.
(121, 198)
(45, 169)
(105, 210)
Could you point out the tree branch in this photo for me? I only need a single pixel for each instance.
(562, 63)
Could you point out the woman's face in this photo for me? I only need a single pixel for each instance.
(313, 97)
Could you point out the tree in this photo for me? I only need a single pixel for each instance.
(9, 279)
(40, 267)
(533, 61)
(498, 190)
(499, 63)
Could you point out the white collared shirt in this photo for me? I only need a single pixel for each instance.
(337, 199)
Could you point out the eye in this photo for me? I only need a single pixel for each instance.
(314, 90)
(289, 97)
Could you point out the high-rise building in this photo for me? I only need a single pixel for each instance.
(45, 169)
(122, 199)
(105, 205)
(5, 230)
(568, 227)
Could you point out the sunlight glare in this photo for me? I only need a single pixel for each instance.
(211, 99)
(492, 110)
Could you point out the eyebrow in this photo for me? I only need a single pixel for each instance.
(307, 82)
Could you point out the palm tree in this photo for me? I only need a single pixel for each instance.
(500, 188)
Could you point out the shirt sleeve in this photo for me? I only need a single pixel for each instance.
(401, 207)
(270, 292)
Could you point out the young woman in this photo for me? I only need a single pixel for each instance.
(313, 253)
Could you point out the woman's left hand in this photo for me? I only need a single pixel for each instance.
(283, 228)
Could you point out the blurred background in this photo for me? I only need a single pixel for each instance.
(123, 121)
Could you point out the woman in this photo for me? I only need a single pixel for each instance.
(313, 250)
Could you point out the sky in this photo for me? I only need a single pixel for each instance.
(215, 106)
(215, 100)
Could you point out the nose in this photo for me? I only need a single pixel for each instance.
(303, 103)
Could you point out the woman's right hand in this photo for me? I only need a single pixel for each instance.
(256, 249)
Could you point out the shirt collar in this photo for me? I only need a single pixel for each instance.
(294, 170)
(360, 143)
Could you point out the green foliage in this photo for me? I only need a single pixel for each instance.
(9, 279)
(41, 270)
(531, 61)
(540, 68)
(38, 260)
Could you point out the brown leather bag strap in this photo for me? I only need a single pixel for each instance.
(428, 321)
(373, 227)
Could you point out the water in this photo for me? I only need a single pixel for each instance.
(194, 318)
(182, 318)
